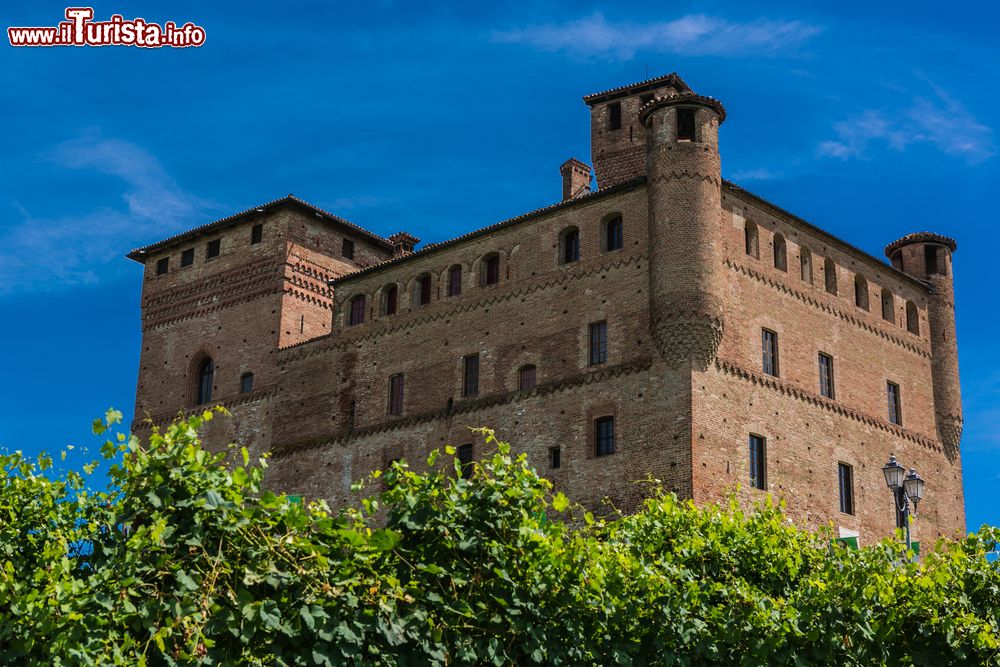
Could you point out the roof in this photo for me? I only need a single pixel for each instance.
(920, 237)
(680, 98)
(631, 89)
(139, 254)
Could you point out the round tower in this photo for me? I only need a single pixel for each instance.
(685, 204)
(927, 256)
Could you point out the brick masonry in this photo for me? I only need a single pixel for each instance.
(685, 299)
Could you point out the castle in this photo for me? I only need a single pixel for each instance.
(668, 323)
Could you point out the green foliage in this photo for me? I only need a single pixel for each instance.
(185, 560)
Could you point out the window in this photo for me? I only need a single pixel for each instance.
(830, 276)
(424, 291)
(615, 116)
(491, 270)
(895, 409)
(613, 234)
(888, 306)
(246, 383)
(357, 313)
(162, 265)
(465, 460)
(604, 436)
(897, 260)
(598, 343)
(213, 248)
(860, 292)
(555, 457)
(758, 462)
(256, 234)
(395, 395)
(825, 375)
(187, 257)
(526, 377)
(931, 259)
(685, 125)
(455, 280)
(846, 476)
(347, 249)
(206, 378)
(751, 240)
(805, 258)
(470, 375)
(389, 298)
(569, 246)
(769, 345)
(780, 253)
(912, 318)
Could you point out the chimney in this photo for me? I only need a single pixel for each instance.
(402, 244)
(575, 178)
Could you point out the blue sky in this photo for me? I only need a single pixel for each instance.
(867, 119)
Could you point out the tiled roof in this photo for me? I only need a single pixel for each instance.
(680, 98)
(668, 79)
(920, 237)
(139, 253)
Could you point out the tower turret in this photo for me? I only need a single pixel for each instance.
(927, 256)
(684, 189)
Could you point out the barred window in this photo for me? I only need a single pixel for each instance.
(465, 459)
(826, 375)
(604, 436)
(470, 375)
(598, 343)
(526, 377)
(758, 462)
(769, 345)
(395, 395)
(357, 313)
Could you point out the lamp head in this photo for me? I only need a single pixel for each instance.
(913, 487)
(894, 473)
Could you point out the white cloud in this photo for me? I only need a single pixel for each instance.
(758, 174)
(694, 34)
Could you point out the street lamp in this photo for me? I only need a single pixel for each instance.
(907, 489)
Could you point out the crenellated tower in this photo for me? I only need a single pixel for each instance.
(928, 256)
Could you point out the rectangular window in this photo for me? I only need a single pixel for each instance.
(825, 375)
(391, 293)
(425, 290)
(758, 462)
(526, 378)
(615, 116)
(614, 239)
(604, 436)
(396, 394)
(895, 409)
(931, 259)
(347, 249)
(493, 270)
(213, 248)
(455, 281)
(357, 315)
(598, 343)
(555, 457)
(162, 265)
(470, 375)
(465, 460)
(246, 383)
(685, 125)
(187, 257)
(769, 345)
(846, 475)
(256, 234)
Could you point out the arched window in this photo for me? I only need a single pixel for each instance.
(780, 253)
(246, 383)
(390, 299)
(751, 239)
(455, 280)
(422, 290)
(613, 234)
(569, 246)
(888, 306)
(912, 318)
(830, 276)
(357, 311)
(860, 292)
(206, 378)
(526, 377)
(489, 270)
(806, 260)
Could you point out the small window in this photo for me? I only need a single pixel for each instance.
(604, 436)
(187, 257)
(895, 408)
(246, 383)
(780, 253)
(825, 375)
(751, 239)
(256, 234)
(615, 116)
(213, 248)
(912, 318)
(685, 124)
(395, 394)
(424, 291)
(162, 265)
(555, 457)
(526, 377)
(830, 276)
(455, 280)
(769, 345)
(613, 238)
(897, 260)
(347, 249)
(206, 378)
(470, 375)
(390, 296)
(465, 460)
(598, 343)
(931, 259)
(805, 259)
(758, 462)
(888, 306)
(860, 292)
(491, 270)
(569, 246)
(845, 474)
(357, 312)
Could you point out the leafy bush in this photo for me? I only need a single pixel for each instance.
(185, 560)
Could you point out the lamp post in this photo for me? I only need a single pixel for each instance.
(907, 490)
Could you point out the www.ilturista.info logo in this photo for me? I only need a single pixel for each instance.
(81, 30)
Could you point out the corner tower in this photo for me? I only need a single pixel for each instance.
(927, 256)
